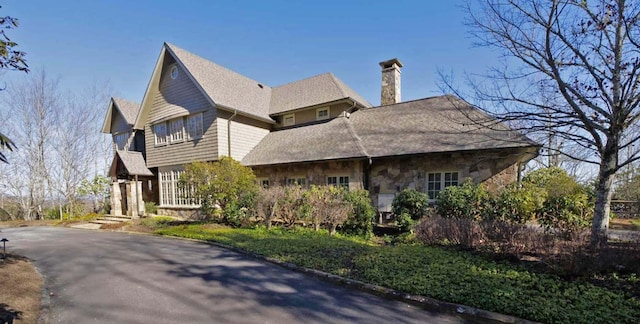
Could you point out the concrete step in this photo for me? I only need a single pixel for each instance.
(103, 221)
(116, 218)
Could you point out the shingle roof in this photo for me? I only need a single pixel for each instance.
(312, 91)
(326, 141)
(226, 87)
(437, 124)
(134, 163)
(129, 109)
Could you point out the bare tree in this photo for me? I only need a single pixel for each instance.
(586, 56)
(30, 108)
(60, 143)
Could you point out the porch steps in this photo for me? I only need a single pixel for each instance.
(111, 220)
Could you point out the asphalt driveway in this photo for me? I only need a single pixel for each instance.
(108, 277)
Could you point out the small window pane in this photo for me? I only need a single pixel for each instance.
(160, 131)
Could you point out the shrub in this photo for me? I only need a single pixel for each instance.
(457, 231)
(405, 223)
(517, 205)
(290, 205)
(467, 201)
(555, 182)
(360, 221)
(225, 186)
(411, 202)
(267, 203)
(327, 206)
(569, 214)
(150, 208)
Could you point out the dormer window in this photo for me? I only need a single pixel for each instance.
(322, 113)
(288, 120)
(177, 135)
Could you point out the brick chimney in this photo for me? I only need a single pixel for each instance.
(390, 93)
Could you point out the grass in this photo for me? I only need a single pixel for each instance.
(445, 274)
(20, 291)
(625, 224)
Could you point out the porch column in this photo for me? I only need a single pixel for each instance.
(116, 196)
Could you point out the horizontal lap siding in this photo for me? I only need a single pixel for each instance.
(180, 97)
(245, 135)
(118, 124)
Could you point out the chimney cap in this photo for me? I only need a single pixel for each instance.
(389, 63)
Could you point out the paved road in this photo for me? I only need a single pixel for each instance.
(106, 277)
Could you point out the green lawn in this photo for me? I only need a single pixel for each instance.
(444, 274)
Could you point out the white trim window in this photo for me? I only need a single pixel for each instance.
(297, 181)
(194, 127)
(263, 182)
(171, 193)
(289, 120)
(160, 133)
(341, 181)
(323, 113)
(177, 132)
(121, 140)
(437, 181)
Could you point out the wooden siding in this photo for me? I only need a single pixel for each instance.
(309, 115)
(245, 135)
(175, 98)
(118, 124)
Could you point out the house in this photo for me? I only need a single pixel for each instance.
(312, 131)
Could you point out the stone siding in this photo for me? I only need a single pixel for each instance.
(493, 168)
(316, 173)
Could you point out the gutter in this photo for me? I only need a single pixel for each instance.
(235, 112)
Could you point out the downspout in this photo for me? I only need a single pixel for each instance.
(235, 112)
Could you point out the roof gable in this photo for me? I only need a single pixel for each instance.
(222, 87)
(132, 162)
(127, 109)
(312, 91)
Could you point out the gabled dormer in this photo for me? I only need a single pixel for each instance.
(315, 99)
(119, 122)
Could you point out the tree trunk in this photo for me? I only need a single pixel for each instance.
(600, 228)
(332, 232)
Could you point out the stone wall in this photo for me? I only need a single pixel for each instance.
(316, 173)
(493, 168)
(184, 213)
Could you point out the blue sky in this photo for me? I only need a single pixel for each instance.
(274, 42)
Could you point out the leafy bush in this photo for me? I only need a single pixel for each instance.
(157, 221)
(517, 205)
(405, 223)
(555, 182)
(467, 201)
(567, 214)
(360, 221)
(225, 186)
(150, 208)
(411, 202)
